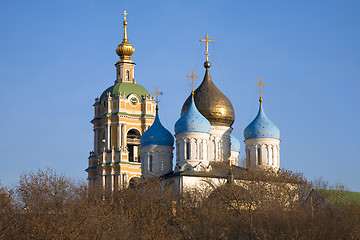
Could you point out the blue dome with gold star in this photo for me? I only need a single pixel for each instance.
(157, 134)
(235, 144)
(192, 121)
(261, 127)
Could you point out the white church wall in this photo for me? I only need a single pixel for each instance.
(262, 153)
(220, 143)
(156, 160)
(192, 150)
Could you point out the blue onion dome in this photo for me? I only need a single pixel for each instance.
(261, 127)
(192, 121)
(157, 134)
(235, 144)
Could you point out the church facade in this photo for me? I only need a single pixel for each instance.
(130, 142)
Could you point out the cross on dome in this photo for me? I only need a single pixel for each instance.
(125, 13)
(260, 84)
(206, 40)
(192, 76)
(157, 93)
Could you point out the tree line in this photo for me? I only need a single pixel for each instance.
(47, 205)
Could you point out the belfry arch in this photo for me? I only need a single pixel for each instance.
(133, 144)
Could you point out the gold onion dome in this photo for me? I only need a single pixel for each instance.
(211, 102)
(125, 49)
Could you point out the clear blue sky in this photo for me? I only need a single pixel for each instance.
(57, 56)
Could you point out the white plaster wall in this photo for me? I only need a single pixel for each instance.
(234, 158)
(162, 160)
(219, 149)
(197, 143)
(264, 153)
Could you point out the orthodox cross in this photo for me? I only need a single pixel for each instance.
(260, 84)
(157, 93)
(207, 46)
(125, 13)
(192, 76)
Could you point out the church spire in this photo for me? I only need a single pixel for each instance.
(125, 49)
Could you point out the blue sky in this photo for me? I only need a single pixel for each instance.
(57, 56)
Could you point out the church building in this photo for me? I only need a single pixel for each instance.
(130, 142)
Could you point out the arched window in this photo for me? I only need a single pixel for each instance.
(188, 149)
(151, 163)
(133, 145)
(127, 76)
(259, 155)
(134, 182)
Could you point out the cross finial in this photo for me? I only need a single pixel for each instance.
(157, 93)
(260, 84)
(125, 13)
(206, 40)
(192, 76)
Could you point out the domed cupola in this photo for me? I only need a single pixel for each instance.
(211, 102)
(157, 134)
(192, 133)
(262, 141)
(125, 49)
(235, 144)
(192, 121)
(261, 127)
(156, 145)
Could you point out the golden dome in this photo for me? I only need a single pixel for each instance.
(211, 102)
(125, 49)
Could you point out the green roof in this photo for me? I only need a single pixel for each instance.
(339, 197)
(127, 89)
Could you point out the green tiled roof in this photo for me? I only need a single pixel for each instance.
(127, 88)
(339, 197)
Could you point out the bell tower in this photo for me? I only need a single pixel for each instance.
(123, 113)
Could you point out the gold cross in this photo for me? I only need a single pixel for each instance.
(207, 46)
(125, 13)
(157, 93)
(192, 76)
(260, 84)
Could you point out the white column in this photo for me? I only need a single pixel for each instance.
(136, 151)
(121, 181)
(205, 150)
(112, 182)
(96, 141)
(185, 149)
(118, 146)
(123, 136)
(216, 150)
(107, 136)
(118, 182)
(104, 183)
(109, 104)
